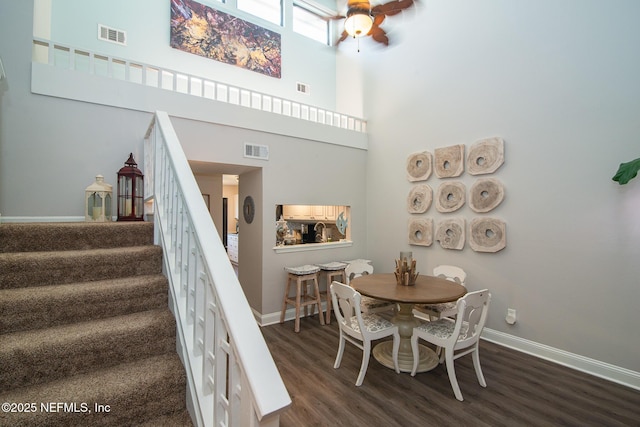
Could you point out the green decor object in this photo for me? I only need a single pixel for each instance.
(627, 171)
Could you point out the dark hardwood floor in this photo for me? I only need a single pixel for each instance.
(522, 390)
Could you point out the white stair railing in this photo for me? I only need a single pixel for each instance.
(232, 377)
(99, 64)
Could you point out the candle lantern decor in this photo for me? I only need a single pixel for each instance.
(130, 192)
(97, 201)
(405, 271)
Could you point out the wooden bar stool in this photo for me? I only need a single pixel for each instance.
(300, 275)
(332, 271)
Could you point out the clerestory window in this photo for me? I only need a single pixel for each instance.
(310, 24)
(269, 10)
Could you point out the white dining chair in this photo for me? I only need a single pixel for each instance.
(457, 337)
(445, 309)
(368, 304)
(360, 329)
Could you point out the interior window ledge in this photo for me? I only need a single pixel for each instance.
(312, 246)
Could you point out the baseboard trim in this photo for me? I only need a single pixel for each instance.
(15, 219)
(273, 318)
(593, 367)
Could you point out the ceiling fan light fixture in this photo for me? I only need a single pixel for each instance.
(358, 23)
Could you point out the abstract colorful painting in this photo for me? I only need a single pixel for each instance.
(204, 31)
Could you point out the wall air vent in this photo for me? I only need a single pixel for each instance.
(303, 88)
(254, 151)
(112, 35)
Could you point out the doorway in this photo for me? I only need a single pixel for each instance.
(242, 181)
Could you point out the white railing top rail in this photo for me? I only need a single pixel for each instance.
(268, 393)
(79, 59)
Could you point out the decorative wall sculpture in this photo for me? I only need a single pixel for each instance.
(449, 161)
(419, 166)
(419, 199)
(485, 194)
(451, 233)
(450, 196)
(487, 234)
(204, 31)
(485, 156)
(421, 231)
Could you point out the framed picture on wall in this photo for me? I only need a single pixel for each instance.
(208, 32)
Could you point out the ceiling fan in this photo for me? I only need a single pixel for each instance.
(364, 20)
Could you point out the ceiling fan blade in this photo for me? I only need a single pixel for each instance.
(391, 8)
(343, 37)
(379, 35)
(377, 20)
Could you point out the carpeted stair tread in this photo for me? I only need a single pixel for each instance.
(30, 357)
(64, 236)
(24, 269)
(84, 320)
(46, 306)
(135, 393)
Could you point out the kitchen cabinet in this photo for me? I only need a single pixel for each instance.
(300, 212)
(232, 247)
(310, 213)
(318, 212)
(330, 213)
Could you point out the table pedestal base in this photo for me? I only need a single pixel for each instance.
(383, 352)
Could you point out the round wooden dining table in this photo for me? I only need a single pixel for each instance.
(427, 290)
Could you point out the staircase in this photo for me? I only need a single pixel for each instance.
(86, 336)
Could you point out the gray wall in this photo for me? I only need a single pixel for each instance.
(298, 171)
(52, 148)
(559, 82)
(76, 22)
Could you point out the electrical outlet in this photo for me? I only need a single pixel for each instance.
(511, 316)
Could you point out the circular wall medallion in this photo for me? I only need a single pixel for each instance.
(485, 194)
(451, 234)
(485, 156)
(419, 166)
(449, 161)
(419, 199)
(488, 234)
(450, 196)
(248, 209)
(421, 232)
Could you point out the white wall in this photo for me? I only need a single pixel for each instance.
(298, 171)
(559, 82)
(51, 149)
(147, 25)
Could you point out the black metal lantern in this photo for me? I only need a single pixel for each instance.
(130, 192)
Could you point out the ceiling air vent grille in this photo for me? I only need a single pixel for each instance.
(303, 88)
(112, 35)
(254, 151)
